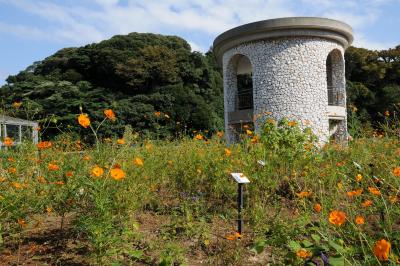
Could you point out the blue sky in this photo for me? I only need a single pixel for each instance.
(31, 30)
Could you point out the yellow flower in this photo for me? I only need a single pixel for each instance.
(8, 141)
(198, 137)
(97, 171)
(49, 209)
(138, 161)
(249, 132)
(337, 218)
(83, 120)
(220, 134)
(169, 162)
(359, 177)
(359, 220)
(16, 105)
(41, 179)
(121, 141)
(110, 114)
(396, 171)
(302, 253)
(382, 249)
(117, 174)
(387, 113)
(228, 152)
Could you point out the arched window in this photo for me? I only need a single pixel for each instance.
(335, 78)
(239, 96)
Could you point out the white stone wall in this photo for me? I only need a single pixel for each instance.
(289, 80)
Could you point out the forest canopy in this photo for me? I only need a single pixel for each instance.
(161, 88)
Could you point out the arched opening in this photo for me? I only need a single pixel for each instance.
(240, 86)
(335, 80)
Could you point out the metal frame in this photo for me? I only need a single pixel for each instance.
(12, 121)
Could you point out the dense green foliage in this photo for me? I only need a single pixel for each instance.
(373, 82)
(136, 75)
(139, 75)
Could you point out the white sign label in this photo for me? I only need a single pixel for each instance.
(261, 162)
(240, 178)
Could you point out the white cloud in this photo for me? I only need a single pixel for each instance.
(81, 23)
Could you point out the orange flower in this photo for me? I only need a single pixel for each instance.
(357, 192)
(292, 123)
(393, 199)
(97, 171)
(110, 114)
(254, 139)
(304, 194)
(22, 222)
(49, 209)
(16, 105)
(302, 253)
(198, 137)
(228, 152)
(12, 170)
(10, 159)
(317, 207)
(17, 185)
(169, 162)
(69, 174)
(359, 220)
(59, 183)
(220, 134)
(396, 171)
(339, 164)
(41, 179)
(138, 161)
(387, 113)
(157, 114)
(83, 120)
(236, 235)
(149, 146)
(44, 145)
(8, 142)
(53, 167)
(374, 191)
(121, 141)
(382, 249)
(367, 203)
(337, 218)
(359, 177)
(86, 158)
(117, 174)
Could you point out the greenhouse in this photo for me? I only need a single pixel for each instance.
(18, 130)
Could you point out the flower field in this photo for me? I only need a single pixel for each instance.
(132, 201)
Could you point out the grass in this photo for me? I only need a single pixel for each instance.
(176, 203)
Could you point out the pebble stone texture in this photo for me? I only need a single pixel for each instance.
(289, 80)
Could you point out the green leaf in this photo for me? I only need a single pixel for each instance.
(336, 261)
(316, 238)
(307, 243)
(137, 254)
(294, 245)
(337, 247)
(259, 246)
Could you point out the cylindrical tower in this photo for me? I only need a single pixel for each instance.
(287, 67)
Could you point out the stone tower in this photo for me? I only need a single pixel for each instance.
(287, 67)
